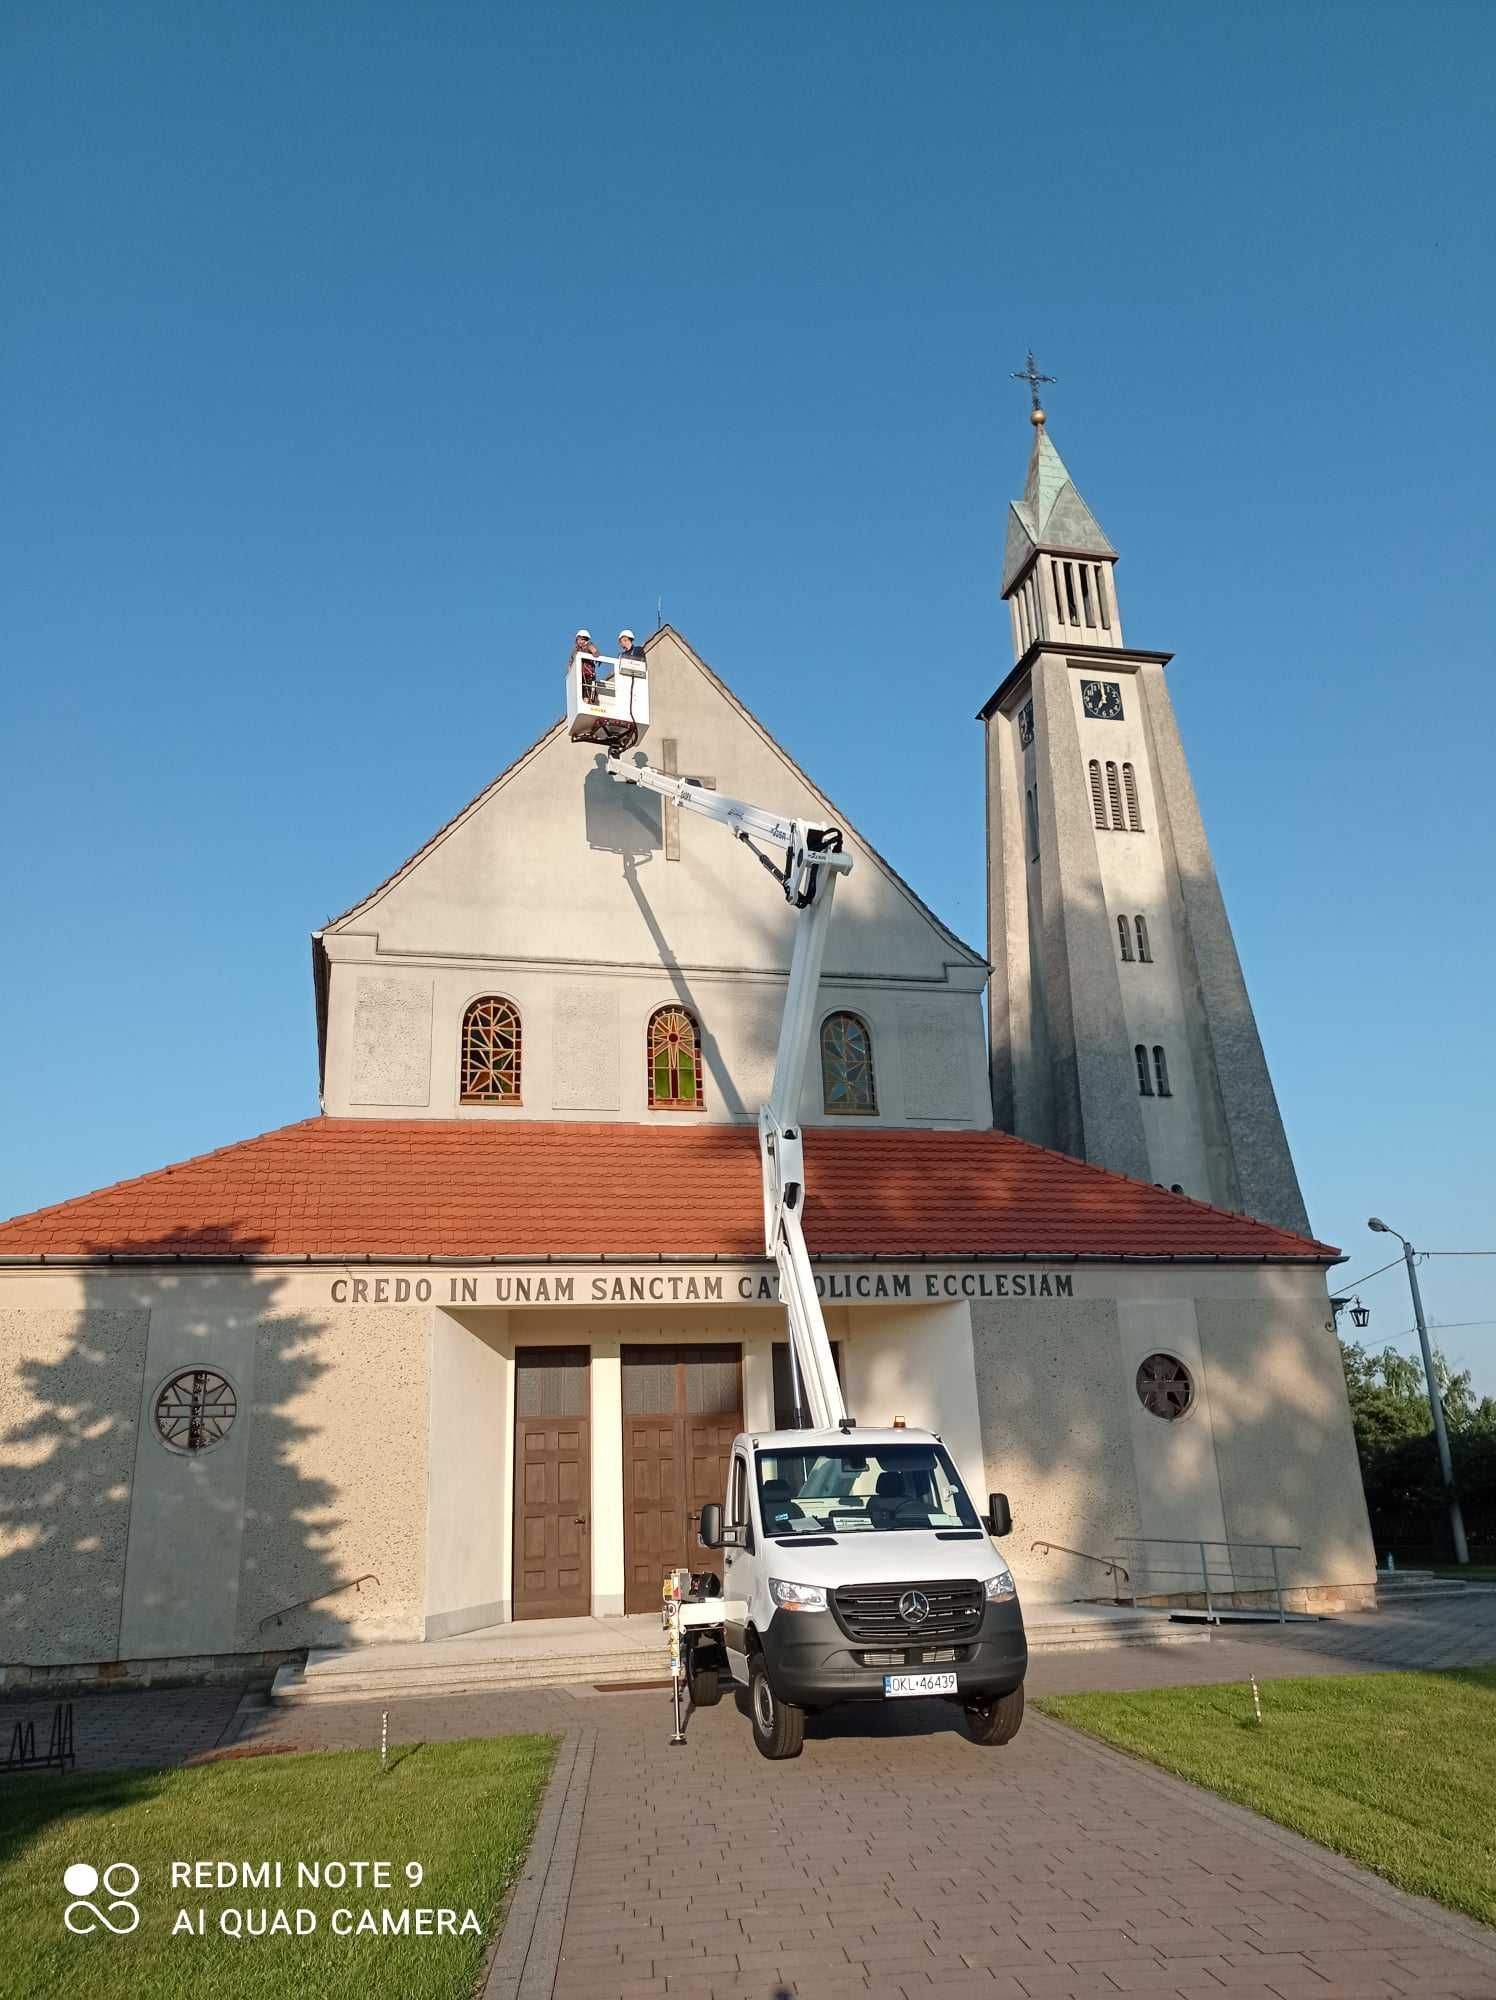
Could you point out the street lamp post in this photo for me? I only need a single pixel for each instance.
(1436, 1401)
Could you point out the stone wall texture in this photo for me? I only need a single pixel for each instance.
(336, 1480)
(70, 1409)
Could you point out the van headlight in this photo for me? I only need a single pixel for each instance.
(1000, 1588)
(797, 1596)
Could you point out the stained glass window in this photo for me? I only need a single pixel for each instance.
(674, 1061)
(490, 1052)
(847, 1065)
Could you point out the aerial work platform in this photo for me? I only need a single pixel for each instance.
(607, 696)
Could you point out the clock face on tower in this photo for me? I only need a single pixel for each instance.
(1102, 700)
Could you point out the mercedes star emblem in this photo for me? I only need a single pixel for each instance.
(914, 1607)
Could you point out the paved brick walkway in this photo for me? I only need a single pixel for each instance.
(896, 1858)
(125, 1731)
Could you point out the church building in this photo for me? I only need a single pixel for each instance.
(471, 1344)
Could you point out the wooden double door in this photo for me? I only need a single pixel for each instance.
(682, 1408)
(552, 1483)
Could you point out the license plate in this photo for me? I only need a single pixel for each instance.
(919, 1684)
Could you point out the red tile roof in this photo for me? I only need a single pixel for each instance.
(426, 1187)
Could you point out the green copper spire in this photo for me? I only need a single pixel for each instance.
(1051, 514)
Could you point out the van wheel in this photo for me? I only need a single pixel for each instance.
(997, 1720)
(778, 1726)
(706, 1687)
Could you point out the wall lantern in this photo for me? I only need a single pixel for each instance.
(1360, 1314)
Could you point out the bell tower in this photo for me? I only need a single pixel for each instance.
(1120, 1027)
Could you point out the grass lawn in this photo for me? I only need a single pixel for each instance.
(463, 1811)
(1397, 1771)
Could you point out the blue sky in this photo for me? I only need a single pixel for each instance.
(353, 356)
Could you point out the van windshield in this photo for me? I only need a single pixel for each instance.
(841, 1489)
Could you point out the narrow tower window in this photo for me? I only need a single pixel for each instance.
(1161, 1073)
(1145, 956)
(1098, 797)
(1106, 622)
(1070, 594)
(1031, 807)
(674, 1060)
(1114, 793)
(1130, 786)
(1125, 940)
(1145, 1084)
(491, 1052)
(1085, 593)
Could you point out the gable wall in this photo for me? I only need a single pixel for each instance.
(556, 892)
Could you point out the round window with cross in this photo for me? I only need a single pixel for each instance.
(1165, 1387)
(195, 1409)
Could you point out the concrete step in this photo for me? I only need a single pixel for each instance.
(1123, 1628)
(1412, 1587)
(343, 1681)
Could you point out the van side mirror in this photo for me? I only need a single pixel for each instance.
(710, 1530)
(999, 1514)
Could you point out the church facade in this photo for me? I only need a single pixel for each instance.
(470, 1345)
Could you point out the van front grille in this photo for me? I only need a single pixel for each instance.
(869, 1612)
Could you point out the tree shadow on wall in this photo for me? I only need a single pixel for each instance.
(117, 1546)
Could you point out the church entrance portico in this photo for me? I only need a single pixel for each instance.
(635, 1412)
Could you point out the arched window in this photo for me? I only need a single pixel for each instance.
(1145, 1082)
(1113, 792)
(1130, 786)
(1145, 957)
(847, 1066)
(490, 1052)
(1098, 797)
(674, 1060)
(1124, 940)
(1161, 1073)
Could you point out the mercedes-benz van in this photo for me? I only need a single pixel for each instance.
(856, 1568)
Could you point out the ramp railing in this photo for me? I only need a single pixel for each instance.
(1196, 1568)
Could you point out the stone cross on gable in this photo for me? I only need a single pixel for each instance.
(670, 810)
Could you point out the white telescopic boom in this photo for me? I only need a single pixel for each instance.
(813, 860)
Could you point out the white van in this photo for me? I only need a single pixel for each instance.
(856, 1568)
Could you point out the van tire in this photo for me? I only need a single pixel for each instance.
(706, 1687)
(778, 1726)
(997, 1720)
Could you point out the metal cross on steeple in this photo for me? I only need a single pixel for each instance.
(1032, 376)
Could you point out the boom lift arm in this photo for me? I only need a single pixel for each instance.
(813, 858)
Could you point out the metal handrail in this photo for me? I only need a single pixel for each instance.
(1117, 1569)
(1202, 1544)
(353, 1583)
